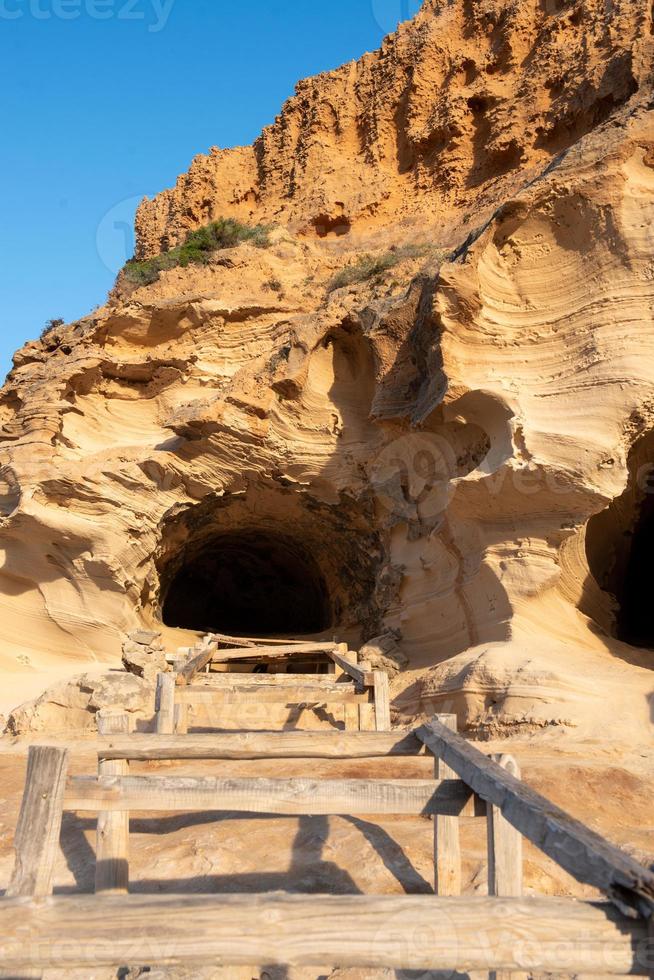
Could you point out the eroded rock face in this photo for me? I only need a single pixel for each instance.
(464, 96)
(419, 452)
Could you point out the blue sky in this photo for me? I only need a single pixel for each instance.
(104, 101)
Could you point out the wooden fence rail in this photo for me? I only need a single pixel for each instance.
(500, 934)
(299, 797)
(263, 745)
(538, 935)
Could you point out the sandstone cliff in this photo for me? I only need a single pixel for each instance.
(447, 440)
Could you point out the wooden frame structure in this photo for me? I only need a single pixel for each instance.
(362, 692)
(501, 933)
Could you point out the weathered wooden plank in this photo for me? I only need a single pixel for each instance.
(39, 823)
(263, 745)
(447, 843)
(253, 641)
(317, 682)
(165, 704)
(504, 845)
(112, 837)
(407, 932)
(382, 701)
(197, 661)
(243, 694)
(282, 650)
(504, 856)
(275, 796)
(583, 853)
(357, 672)
(343, 651)
(231, 641)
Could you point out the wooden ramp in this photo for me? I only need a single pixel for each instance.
(499, 934)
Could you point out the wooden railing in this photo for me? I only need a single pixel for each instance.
(503, 932)
(362, 692)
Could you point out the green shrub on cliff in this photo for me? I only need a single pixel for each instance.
(197, 249)
(370, 266)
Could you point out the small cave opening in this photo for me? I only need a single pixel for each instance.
(634, 591)
(247, 583)
(620, 551)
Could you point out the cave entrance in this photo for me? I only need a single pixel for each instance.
(620, 551)
(247, 583)
(635, 588)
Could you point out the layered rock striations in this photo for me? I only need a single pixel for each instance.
(422, 412)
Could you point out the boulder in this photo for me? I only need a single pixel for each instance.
(72, 706)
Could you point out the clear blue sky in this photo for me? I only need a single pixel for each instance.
(104, 101)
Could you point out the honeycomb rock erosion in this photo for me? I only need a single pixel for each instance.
(421, 410)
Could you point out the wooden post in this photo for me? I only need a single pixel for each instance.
(342, 649)
(504, 845)
(382, 702)
(39, 823)
(447, 845)
(39, 828)
(350, 711)
(504, 855)
(165, 704)
(112, 840)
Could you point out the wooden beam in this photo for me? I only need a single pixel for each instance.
(358, 673)
(342, 649)
(319, 682)
(382, 701)
(404, 932)
(504, 856)
(250, 641)
(197, 662)
(39, 823)
(584, 854)
(504, 845)
(242, 694)
(230, 641)
(282, 650)
(447, 844)
(263, 745)
(112, 838)
(165, 704)
(163, 794)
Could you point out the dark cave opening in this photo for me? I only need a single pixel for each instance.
(620, 553)
(247, 583)
(634, 588)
